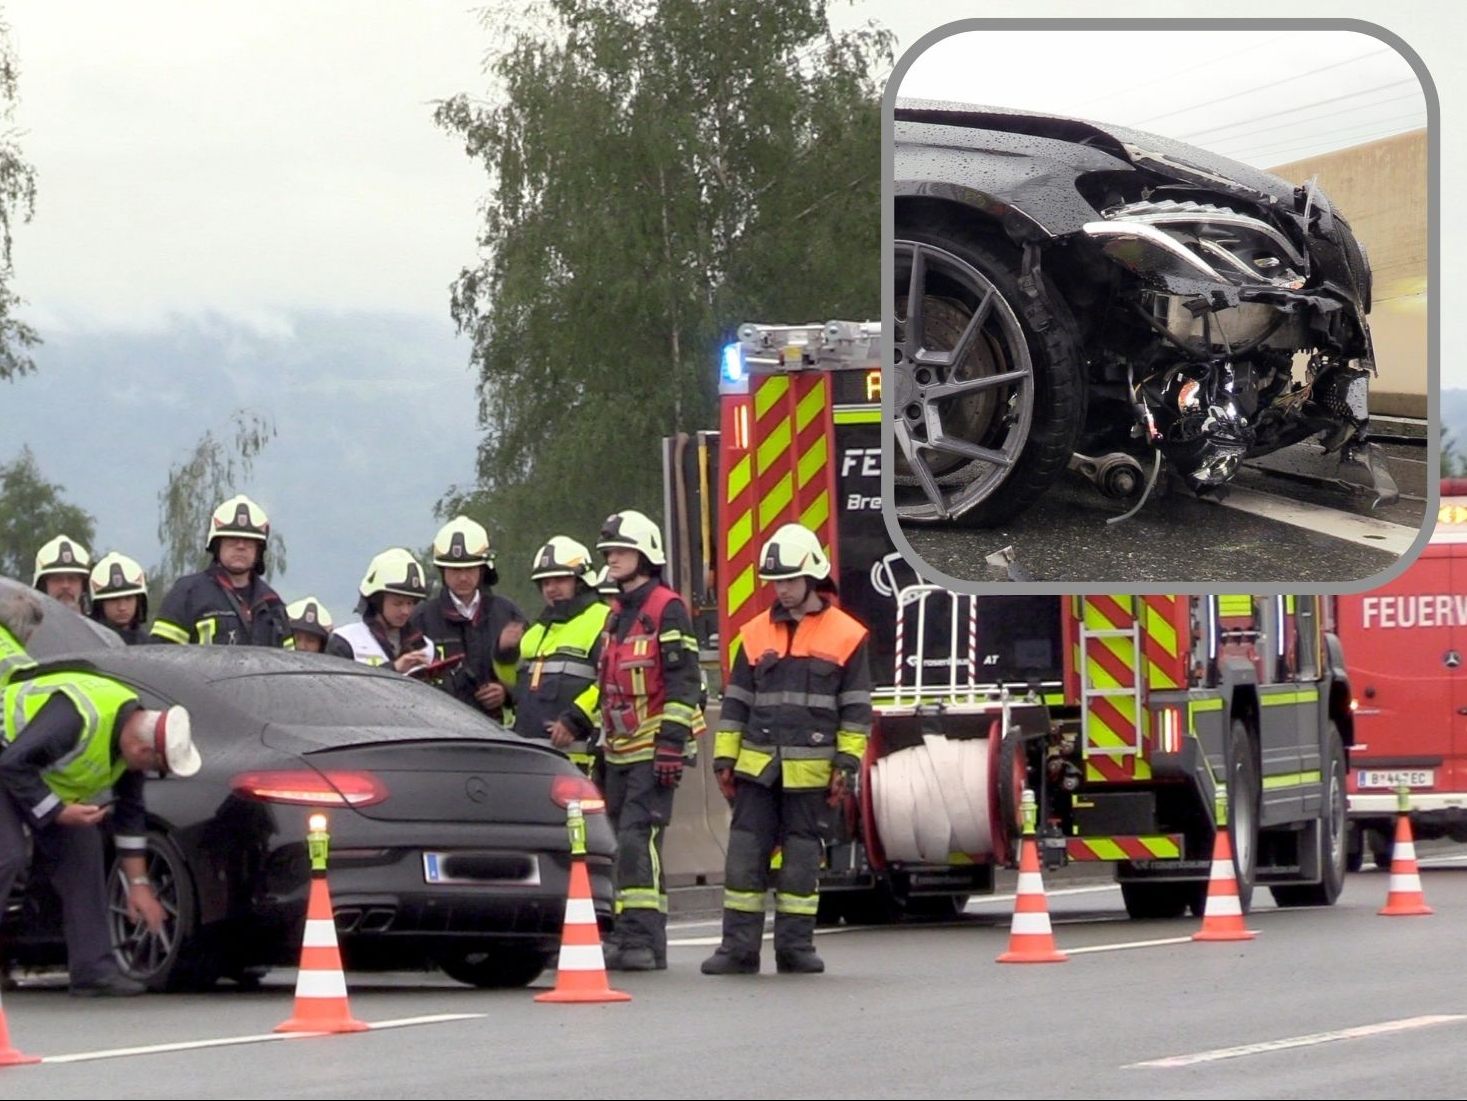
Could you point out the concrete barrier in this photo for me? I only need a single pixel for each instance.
(697, 839)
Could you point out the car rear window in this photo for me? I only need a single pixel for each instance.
(388, 706)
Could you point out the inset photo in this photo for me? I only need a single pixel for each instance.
(1159, 306)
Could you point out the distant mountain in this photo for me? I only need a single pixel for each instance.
(376, 416)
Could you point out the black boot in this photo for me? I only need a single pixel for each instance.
(794, 945)
(799, 961)
(729, 962)
(639, 958)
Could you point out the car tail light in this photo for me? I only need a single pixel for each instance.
(332, 788)
(565, 790)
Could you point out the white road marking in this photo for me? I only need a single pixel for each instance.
(1365, 531)
(229, 1041)
(1061, 892)
(1263, 1048)
(1126, 945)
(707, 942)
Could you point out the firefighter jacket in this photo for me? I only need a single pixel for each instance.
(557, 675)
(649, 676)
(798, 701)
(132, 635)
(207, 609)
(13, 658)
(476, 638)
(369, 643)
(59, 744)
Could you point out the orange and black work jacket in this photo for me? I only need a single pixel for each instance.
(798, 701)
(648, 675)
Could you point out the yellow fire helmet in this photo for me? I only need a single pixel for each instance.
(793, 551)
(461, 542)
(61, 555)
(394, 571)
(562, 556)
(117, 575)
(635, 530)
(309, 616)
(239, 518)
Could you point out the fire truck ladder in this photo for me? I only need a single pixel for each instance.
(1098, 658)
(960, 685)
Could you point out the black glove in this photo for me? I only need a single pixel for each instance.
(667, 765)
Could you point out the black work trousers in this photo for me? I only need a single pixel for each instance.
(639, 809)
(763, 818)
(71, 858)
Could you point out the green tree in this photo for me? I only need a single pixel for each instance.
(31, 512)
(212, 473)
(17, 203)
(1453, 465)
(659, 172)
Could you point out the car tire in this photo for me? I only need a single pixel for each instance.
(493, 968)
(178, 957)
(1036, 428)
(1333, 827)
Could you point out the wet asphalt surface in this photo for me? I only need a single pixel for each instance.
(1178, 537)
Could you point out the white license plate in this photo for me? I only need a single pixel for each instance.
(1395, 777)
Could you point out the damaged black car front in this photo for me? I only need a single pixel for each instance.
(1076, 295)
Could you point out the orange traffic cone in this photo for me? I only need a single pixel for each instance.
(1222, 918)
(9, 1057)
(1031, 940)
(580, 976)
(1405, 897)
(320, 985)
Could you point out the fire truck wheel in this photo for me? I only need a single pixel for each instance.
(1147, 901)
(1334, 844)
(989, 396)
(1355, 849)
(1382, 848)
(1243, 800)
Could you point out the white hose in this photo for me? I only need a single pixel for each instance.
(933, 799)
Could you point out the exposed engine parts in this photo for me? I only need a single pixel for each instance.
(1069, 288)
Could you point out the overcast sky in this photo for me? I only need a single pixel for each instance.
(280, 155)
(1261, 97)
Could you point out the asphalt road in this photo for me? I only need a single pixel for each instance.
(1324, 1003)
(1178, 537)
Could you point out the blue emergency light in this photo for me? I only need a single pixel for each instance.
(733, 363)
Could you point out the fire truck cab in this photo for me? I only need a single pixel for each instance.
(1405, 642)
(1128, 716)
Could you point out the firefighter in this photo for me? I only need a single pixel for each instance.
(466, 618)
(796, 717)
(119, 593)
(392, 587)
(62, 567)
(20, 615)
(310, 626)
(555, 691)
(649, 685)
(230, 603)
(73, 749)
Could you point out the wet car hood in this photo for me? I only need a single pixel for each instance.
(1165, 156)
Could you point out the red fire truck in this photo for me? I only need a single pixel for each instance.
(1405, 643)
(1124, 714)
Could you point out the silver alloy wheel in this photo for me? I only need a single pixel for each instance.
(140, 952)
(964, 384)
